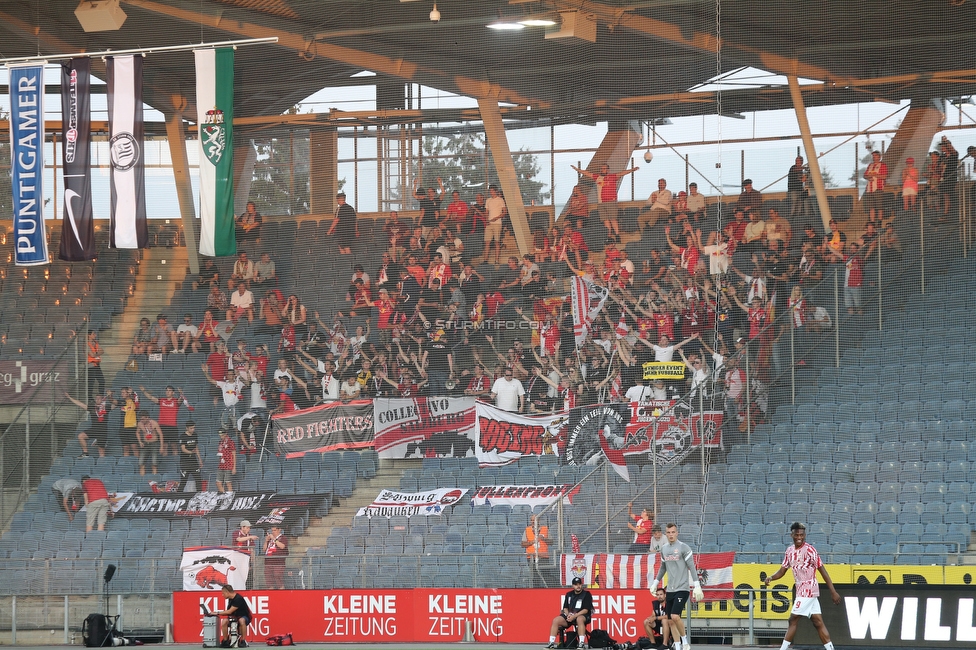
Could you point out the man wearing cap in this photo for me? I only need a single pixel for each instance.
(804, 561)
(345, 225)
(749, 199)
(876, 174)
(577, 609)
(678, 562)
(794, 187)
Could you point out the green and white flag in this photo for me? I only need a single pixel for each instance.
(215, 120)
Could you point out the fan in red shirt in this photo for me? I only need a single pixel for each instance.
(169, 410)
(226, 462)
(208, 330)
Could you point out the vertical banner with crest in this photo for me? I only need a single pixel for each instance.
(215, 121)
(128, 171)
(27, 163)
(78, 226)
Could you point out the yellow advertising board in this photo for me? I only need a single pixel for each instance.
(774, 602)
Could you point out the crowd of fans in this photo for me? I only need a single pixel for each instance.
(430, 315)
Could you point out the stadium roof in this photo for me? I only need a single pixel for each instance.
(646, 58)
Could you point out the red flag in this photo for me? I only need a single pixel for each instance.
(576, 545)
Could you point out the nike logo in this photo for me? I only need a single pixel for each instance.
(69, 196)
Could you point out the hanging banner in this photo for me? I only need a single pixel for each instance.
(392, 503)
(620, 571)
(127, 174)
(523, 495)
(77, 224)
(261, 508)
(504, 436)
(663, 370)
(328, 427)
(215, 121)
(32, 379)
(425, 427)
(209, 568)
(624, 432)
(27, 163)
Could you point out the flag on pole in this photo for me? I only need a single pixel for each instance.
(77, 225)
(27, 163)
(128, 172)
(588, 298)
(215, 122)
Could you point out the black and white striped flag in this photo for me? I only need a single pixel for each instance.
(129, 227)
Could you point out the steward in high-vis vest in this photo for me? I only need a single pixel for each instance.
(535, 540)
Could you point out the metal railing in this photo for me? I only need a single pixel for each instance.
(32, 438)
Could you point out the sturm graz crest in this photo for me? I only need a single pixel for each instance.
(214, 134)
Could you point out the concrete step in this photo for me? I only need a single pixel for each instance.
(388, 475)
(157, 275)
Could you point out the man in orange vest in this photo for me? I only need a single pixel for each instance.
(535, 541)
(95, 375)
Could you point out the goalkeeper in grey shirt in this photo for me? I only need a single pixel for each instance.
(679, 563)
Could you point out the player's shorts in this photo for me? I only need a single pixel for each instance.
(805, 606)
(674, 602)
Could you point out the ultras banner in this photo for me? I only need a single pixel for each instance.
(328, 427)
(393, 503)
(77, 224)
(261, 508)
(27, 163)
(626, 431)
(504, 437)
(209, 568)
(425, 426)
(523, 495)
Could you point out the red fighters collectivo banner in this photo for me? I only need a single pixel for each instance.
(411, 615)
(328, 427)
(424, 427)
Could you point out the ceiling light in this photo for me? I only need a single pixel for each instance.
(537, 21)
(505, 24)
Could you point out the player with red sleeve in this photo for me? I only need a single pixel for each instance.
(805, 562)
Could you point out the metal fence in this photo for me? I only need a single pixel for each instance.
(33, 436)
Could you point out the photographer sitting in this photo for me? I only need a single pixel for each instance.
(577, 609)
(237, 610)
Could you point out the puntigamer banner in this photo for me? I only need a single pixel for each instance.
(27, 163)
(329, 427)
(392, 503)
